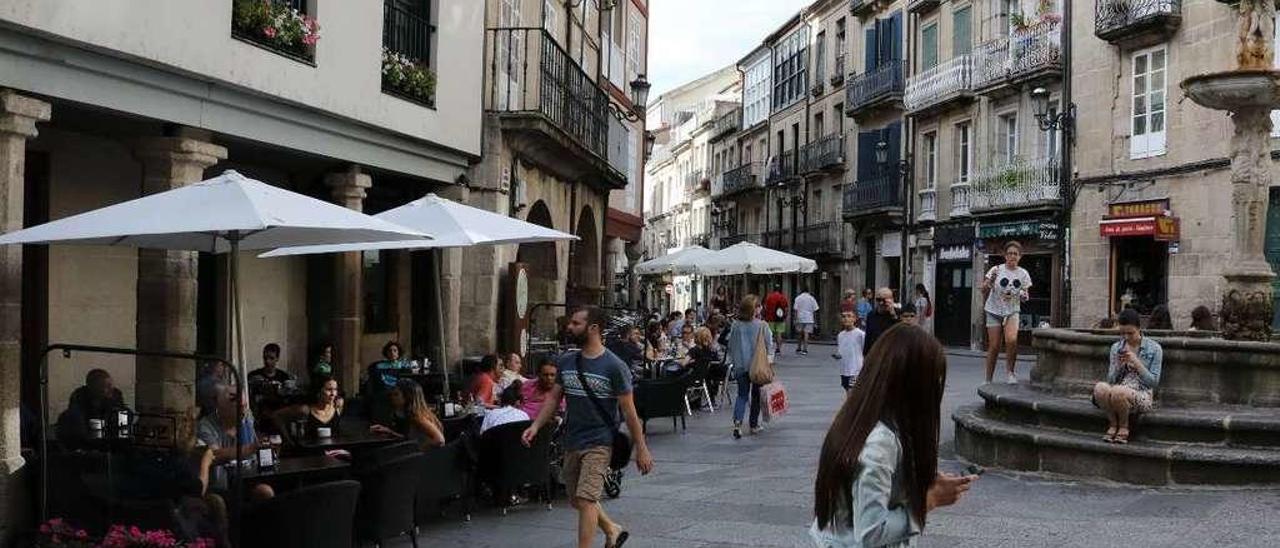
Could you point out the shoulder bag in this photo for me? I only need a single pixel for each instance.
(621, 453)
(761, 371)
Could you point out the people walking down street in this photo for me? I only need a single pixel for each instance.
(924, 307)
(1005, 288)
(865, 305)
(747, 332)
(805, 307)
(776, 306)
(849, 349)
(1132, 377)
(880, 319)
(878, 473)
(597, 387)
(849, 303)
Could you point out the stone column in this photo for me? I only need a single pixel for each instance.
(166, 315)
(348, 190)
(18, 118)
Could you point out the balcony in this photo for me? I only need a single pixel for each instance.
(959, 199)
(939, 85)
(1021, 184)
(696, 181)
(783, 167)
(406, 54)
(824, 153)
(727, 123)
(837, 76)
(879, 87)
(819, 239)
(863, 7)
(1025, 54)
(1132, 22)
(874, 195)
(928, 205)
(541, 95)
(726, 241)
(780, 239)
(742, 178)
(922, 6)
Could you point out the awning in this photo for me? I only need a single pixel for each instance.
(1162, 228)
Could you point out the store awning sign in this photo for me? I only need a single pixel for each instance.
(1022, 229)
(1144, 208)
(955, 253)
(1162, 228)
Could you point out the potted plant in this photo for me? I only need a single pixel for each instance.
(276, 26)
(408, 78)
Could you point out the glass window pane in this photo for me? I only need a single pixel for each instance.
(1139, 105)
(1140, 64)
(1157, 121)
(1157, 60)
(1157, 80)
(1139, 125)
(1139, 85)
(1157, 101)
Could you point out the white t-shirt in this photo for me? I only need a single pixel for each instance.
(1008, 290)
(850, 345)
(805, 306)
(501, 416)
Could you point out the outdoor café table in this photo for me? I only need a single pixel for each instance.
(351, 434)
(300, 469)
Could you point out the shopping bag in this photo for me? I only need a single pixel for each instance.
(761, 371)
(775, 399)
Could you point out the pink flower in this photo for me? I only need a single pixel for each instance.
(44, 528)
(269, 32)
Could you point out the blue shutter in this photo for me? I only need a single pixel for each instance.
(893, 137)
(869, 49)
(893, 51)
(867, 153)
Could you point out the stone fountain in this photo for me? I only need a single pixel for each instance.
(1218, 415)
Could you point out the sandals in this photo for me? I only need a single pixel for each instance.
(1122, 436)
(1110, 436)
(619, 540)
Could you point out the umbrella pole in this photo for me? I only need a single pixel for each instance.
(236, 319)
(439, 279)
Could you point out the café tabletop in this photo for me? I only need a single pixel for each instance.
(350, 434)
(299, 466)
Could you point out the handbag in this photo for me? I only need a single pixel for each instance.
(761, 371)
(621, 445)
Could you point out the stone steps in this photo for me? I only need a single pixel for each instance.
(990, 440)
(1222, 425)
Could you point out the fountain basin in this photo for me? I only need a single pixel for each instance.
(1235, 90)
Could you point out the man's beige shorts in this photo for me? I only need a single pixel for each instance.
(584, 472)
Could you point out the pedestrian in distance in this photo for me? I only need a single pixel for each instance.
(1005, 287)
(805, 308)
(884, 316)
(924, 307)
(849, 349)
(588, 438)
(850, 301)
(908, 315)
(746, 333)
(878, 473)
(776, 306)
(865, 305)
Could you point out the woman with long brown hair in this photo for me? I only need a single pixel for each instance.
(878, 471)
(411, 416)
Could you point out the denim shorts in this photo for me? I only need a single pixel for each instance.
(996, 320)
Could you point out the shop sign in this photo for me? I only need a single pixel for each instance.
(1165, 229)
(1022, 229)
(955, 253)
(1144, 208)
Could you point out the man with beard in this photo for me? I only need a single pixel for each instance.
(884, 316)
(588, 435)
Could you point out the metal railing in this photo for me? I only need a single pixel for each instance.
(837, 75)
(529, 72)
(881, 191)
(406, 32)
(779, 239)
(1020, 183)
(959, 199)
(928, 205)
(1114, 17)
(726, 241)
(1025, 50)
(939, 83)
(823, 153)
(819, 238)
(743, 177)
(867, 88)
(695, 181)
(783, 167)
(728, 122)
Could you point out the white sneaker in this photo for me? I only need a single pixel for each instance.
(1013, 379)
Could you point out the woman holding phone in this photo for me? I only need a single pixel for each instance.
(1132, 377)
(1005, 288)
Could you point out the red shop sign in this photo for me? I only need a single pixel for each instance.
(1161, 228)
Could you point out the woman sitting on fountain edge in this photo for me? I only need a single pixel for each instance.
(1132, 376)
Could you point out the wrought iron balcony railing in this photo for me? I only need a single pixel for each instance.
(1024, 51)
(1116, 21)
(696, 181)
(928, 205)
(960, 199)
(727, 123)
(824, 153)
(945, 81)
(741, 178)
(783, 167)
(837, 75)
(819, 239)
(872, 194)
(1019, 184)
(875, 87)
(782, 239)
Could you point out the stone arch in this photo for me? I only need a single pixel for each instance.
(584, 267)
(543, 268)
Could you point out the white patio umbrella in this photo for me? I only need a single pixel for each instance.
(749, 258)
(227, 213)
(451, 224)
(670, 263)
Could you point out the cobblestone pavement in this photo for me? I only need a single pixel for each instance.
(709, 490)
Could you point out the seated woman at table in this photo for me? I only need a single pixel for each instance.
(510, 372)
(411, 417)
(324, 409)
(484, 381)
(219, 432)
(1132, 376)
(655, 343)
(509, 410)
(534, 393)
(703, 353)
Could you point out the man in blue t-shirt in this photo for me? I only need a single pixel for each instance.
(588, 438)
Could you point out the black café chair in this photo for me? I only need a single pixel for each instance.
(697, 387)
(315, 516)
(507, 465)
(445, 477)
(386, 500)
(658, 398)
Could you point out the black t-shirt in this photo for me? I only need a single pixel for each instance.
(877, 323)
(260, 375)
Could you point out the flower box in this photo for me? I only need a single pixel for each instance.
(276, 27)
(408, 79)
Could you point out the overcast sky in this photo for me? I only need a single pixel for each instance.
(690, 38)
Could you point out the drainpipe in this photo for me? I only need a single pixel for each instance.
(1066, 184)
(908, 183)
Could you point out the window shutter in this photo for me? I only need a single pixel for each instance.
(870, 48)
(867, 153)
(894, 48)
(962, 35)
(929, 47)
(893, 137)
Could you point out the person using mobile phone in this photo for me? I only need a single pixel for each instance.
(1132, 377)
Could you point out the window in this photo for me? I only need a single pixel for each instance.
(930, 159)
(510, 89)
(1004, 19)
(929, 47)
(837, 114)
(635, 51)
(962, 35)
(1148, 138)
(1007, 138)
(1050, 138)
(964, 151)
(756, 93)
(377, 292)
(815, 215)
(790, 70)
(820, 58)
(818, 126)
(549, 16)
(840, 47)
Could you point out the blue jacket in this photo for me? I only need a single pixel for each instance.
(880, 514)
(1151, 356)
(742, 344)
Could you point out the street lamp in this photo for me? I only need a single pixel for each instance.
(639, 98)
(903, 168)
(1058, 121)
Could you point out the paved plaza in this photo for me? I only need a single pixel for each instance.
(709, 490)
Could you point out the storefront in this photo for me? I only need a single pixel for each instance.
(1041, 257)
(953, 283)
(1142, 235)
